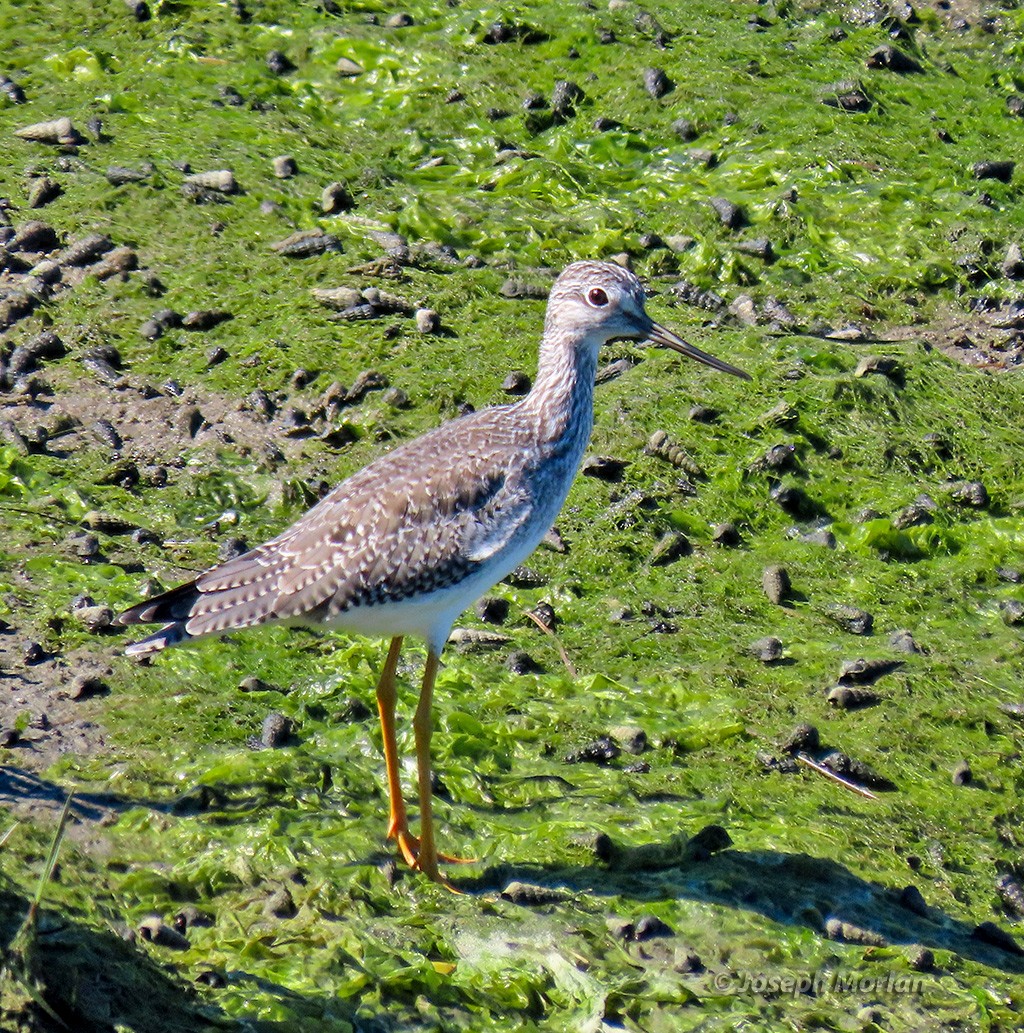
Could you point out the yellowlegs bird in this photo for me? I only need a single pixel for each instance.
(406, 544)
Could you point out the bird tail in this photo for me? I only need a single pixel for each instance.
(174, 607)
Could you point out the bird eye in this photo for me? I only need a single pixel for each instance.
(597, 297)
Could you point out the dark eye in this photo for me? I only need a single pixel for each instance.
(597, 297)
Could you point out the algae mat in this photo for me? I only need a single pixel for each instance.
(199, 336)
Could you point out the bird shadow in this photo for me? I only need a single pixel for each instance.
(793, 889)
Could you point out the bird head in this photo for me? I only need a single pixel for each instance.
(600, 302)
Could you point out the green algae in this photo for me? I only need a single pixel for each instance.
(882, 216)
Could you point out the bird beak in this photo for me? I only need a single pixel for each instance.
(661, 337)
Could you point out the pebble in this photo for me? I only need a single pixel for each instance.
(530, 895)
(95, 618)
(276, 730)
(776, 584)
(804, 738)
(1012, 611)
(921, 959)
(650, 926)
(280, 904)
(336, 198)
(285, 166)
(850, 618)
(492, 609)
(630, 738)
(759, 247)
(346, 68)
(604, 468)
(155, 931)
(278, 63)
(837, 929)
(601, 751)
(731, 215)
(703, 414)
(119, 175)
(989, 932)
(962, 774)
(1001, 170)
(893, 59)
(427, 321)
(768, 649)
(86, 686)
(1011, 893)
(847, 96)
(522, 663)
(1013, 264)
(657, 83)
(673, 545)
(912, 899)
(855, 771)
(516, 383)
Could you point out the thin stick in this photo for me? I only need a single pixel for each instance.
(561, 649)
(852, 786)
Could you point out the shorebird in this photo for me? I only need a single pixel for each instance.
(402, 547)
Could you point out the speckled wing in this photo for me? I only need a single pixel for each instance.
(418, 519)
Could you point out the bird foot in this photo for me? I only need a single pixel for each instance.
(409, 847)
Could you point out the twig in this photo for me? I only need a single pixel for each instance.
(561, 649)
(822, 770)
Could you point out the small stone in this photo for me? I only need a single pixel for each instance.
(604, 468)
(726, 535)
(86, 686)
(671, 546)
(650, 926)
(768, 649)
(685, 130)
(893, 59)
(657, 83)
(276, 731)
(254, 684)
(921, 959)
(336, 198)
(427, 321)
(278, 63)
(731, 215)
(285, 166)
(492, 609)
(969, 493)
(1001, 170)
(1013, 264)
(601, 751)
(280, 904)
(95, 618)
(1011, 893)
(522, 663)
(776, 584)
(989, 932)
(744, 309)
(530, 895)
(1012, 611)
(912, 899)
(516, 383)
(803, 739)
(962, 775)
(850, 618)
(630, 738)
(399, 20)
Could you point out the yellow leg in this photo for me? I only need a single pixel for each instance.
(422, 725)
(387, 695)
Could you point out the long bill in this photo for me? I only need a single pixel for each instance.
(663, 337)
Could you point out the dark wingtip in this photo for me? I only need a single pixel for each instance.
(171, 635)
